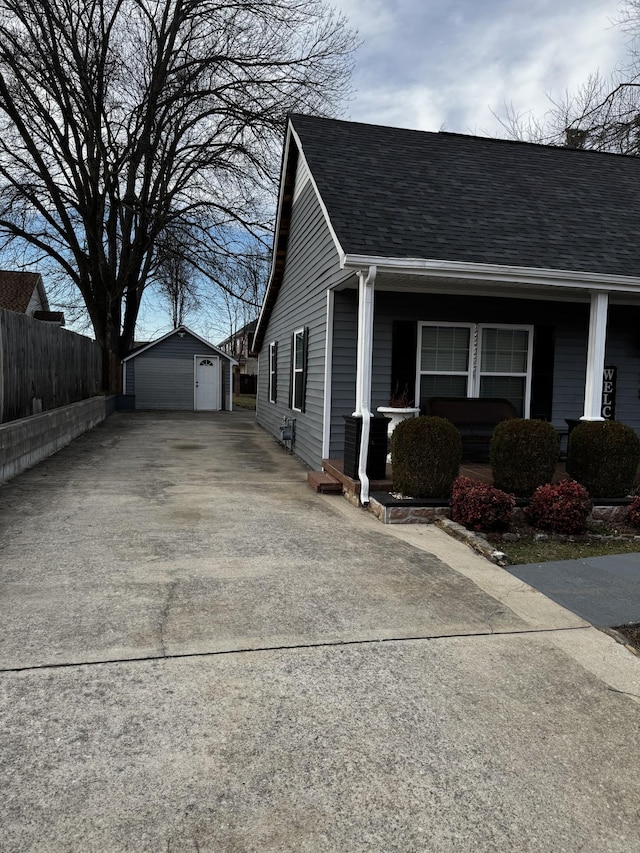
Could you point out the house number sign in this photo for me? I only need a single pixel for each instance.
(609, 379)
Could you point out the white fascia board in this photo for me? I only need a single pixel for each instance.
(283, 170)
(323, 206)
(570, 279)
(175, 332)
(292, 135)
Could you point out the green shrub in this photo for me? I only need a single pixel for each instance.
(425, 454)
(523, 455)
(479, 506)
(604, 457)
(561, 507)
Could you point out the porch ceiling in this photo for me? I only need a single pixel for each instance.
(414, 282)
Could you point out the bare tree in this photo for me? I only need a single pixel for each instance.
(603, 114)
(174, 277)
(120, 119)
(236, 290)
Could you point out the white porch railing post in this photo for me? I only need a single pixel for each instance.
(363, 373)
(595, 357)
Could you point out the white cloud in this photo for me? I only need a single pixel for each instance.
(423, 65)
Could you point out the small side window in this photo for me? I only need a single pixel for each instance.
(298, 369)
(273, 372)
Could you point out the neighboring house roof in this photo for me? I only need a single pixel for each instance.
(17, 290)
(249, 329)
(390, 193)
(181, 330)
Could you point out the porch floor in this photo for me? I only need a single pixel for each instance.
(478, 471)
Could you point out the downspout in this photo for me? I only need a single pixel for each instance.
(363, 373)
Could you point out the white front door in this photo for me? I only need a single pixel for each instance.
(207, 383)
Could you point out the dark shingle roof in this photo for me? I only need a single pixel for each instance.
(410, 194)
(16, 289)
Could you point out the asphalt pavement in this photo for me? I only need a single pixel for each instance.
(603, 590)
(198, 653)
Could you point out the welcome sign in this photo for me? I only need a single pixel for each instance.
(608, 408)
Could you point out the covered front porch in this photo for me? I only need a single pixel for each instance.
(541, 338)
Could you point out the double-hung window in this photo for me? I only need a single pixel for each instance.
(298, 369)
(475, 360)
(504, 367)
(273, 372)
(445, 360)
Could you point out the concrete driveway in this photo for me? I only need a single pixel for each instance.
(199, 654)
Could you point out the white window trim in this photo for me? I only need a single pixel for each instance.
(273, 372)
(527, 376)
(472, 351)
(473, 372)
(296, 371)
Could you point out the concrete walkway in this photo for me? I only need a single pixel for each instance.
(199, 654)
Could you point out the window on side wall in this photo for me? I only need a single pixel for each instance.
(273, 372)
(475, 360)
(298, 369)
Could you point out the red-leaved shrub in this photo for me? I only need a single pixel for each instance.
(561, 507)
(633, 516)
(479, 506)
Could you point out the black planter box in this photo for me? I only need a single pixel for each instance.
(377, 463)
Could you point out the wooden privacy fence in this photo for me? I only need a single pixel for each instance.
(43, 366)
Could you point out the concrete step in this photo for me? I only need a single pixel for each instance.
(322, 482)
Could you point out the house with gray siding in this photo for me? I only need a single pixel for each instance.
(179, 371)
(447, 265)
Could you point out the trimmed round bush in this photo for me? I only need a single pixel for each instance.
(479, 506)
(560, 507)
(523, 455)
(425, 454)
(604, 457)
(633, 513)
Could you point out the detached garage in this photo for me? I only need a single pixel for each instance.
(179, 371)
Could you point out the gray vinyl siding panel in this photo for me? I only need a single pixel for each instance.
(312, 266)
(129, 383)
(623, 352)
(570, 372)
(343, 370)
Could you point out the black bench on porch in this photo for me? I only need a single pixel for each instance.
(474, 417)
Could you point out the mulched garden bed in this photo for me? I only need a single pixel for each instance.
(631, 633)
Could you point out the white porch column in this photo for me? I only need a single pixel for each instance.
(595, 357)
(363, 372)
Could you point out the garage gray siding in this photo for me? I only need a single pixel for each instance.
(129, 378)
(162, 377)
(312, 266)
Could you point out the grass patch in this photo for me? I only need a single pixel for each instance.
(245, 401)
(529, 550)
